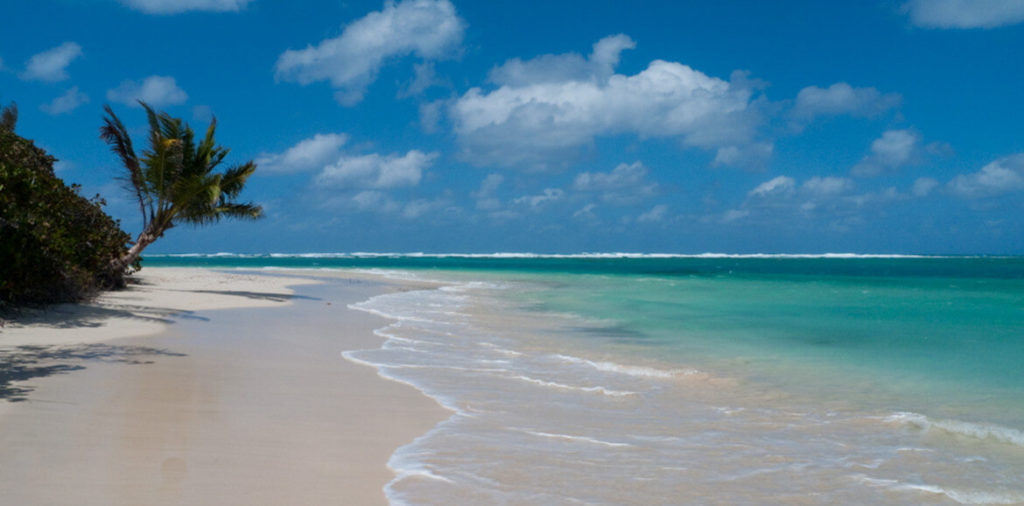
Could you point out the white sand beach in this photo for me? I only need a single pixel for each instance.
(203, 387)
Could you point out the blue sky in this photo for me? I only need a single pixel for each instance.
(453, 126)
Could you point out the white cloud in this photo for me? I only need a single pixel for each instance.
(834, 198)
(894, 149)
(964, 13)
(430, 116)
(625, 184)
(586, 212)
(842, 99)
(485, 198)
(657, 213)
(1001, 176)
(376, 171)
(424, 77)
(178, 6)
(923, 186)
(539, 200)
(67, 102)
(780, 185)
(157, 91)
(371, 200)
(546, 109)
(309, 154)
(51, 66)
(382, 203)
(556, 68)
(419, 207)
(733, 215)
(822, 187)
(429, 29)
(782, 195)
(750, 155)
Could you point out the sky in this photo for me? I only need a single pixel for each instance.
(553, 127)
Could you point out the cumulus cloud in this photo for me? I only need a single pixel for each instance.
(157, 91)
(67, 102)
(923, 186)
(830, 197)
(586, 212)
(782, 194)
(657, 213)
(546, 109)
(781, 185)
(625, 184)
(424, 77)
(1002, 176)
(178, 6)
(419, 207)
(51, 65)
(538, 201)
(894, 149)
(380, 202)
(964, 13)
(750, 155)
(429, 29)
(826, 186)
(430, 116)
(309, 154)
(372, 200)
(842, 99)
(376, 171)
(485, 195)
(557, 68)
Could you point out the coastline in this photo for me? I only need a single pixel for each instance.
(207, 387)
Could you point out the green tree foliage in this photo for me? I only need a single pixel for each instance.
(9, 117)
(55, 245)
(176, 180)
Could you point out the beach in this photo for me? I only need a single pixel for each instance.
(205, 387)
(525, 379)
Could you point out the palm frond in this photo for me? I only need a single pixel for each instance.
(235, 178)
(114, 133)
(243, 211)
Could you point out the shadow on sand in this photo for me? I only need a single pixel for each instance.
(273, 297)
(23, 363)
(91, 316)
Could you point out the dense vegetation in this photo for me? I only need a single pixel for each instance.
(55, 245)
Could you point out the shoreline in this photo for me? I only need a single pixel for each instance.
(244, 405)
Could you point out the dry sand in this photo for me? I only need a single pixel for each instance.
(250, 405)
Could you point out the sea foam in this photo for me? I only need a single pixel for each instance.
(960, 428)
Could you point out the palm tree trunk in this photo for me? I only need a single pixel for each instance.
(145, 239)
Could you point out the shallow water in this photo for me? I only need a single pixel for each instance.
(712, 381)
(561, 403)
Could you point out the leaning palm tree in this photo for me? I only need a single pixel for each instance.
(174, 181)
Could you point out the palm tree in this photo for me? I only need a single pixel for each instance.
(174, 181)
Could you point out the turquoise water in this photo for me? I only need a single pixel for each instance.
(957, 321)
(797, 355)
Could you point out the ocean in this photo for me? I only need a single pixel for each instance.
(708, 379)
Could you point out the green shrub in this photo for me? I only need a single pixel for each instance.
(55, 245)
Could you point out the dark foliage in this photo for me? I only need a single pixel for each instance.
(55, 245)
